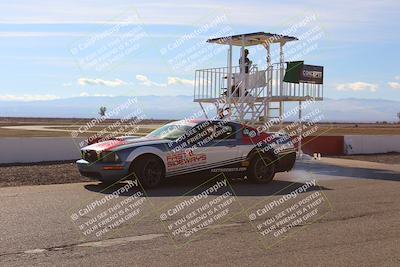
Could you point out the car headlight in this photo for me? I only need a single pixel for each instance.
(108, 156)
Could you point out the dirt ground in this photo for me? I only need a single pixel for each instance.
(40, 174)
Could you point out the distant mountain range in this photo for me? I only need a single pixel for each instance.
(178, 107)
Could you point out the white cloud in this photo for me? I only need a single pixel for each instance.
(101, 82)
(108, 95)
(85, 94)
(40, 34)
(27, 98)
(170, 81)
(67, 84)
(341, 22)
(177, 12)
(394, 85)
(176, 80)
(397, 77)
(147, 82)
(357, 86)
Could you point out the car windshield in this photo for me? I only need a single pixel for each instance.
(169, 131)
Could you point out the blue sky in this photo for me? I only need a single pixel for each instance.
(358, 44)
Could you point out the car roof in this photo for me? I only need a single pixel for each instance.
(193, 122)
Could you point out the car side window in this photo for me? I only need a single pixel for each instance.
(199, 134)
(224, 132)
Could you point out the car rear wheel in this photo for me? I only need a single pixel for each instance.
(149, 170)
(261, 169)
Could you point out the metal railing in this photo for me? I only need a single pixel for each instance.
(213, 83)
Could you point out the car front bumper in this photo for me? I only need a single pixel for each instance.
(113, 172)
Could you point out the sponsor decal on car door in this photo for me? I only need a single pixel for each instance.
(222, 149)
(216, 147)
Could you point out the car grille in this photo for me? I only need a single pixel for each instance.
(89, 155)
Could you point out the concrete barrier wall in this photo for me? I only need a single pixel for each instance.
(351, 144)
(326, 145)
(22, 150)
(371, 144)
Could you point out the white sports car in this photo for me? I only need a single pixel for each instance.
(190, 147)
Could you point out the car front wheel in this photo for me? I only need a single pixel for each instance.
(149, 170)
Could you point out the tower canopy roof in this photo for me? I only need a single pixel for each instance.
(255, 38)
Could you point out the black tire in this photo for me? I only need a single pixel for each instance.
(107, 183)
(261, 169)
(149, 170)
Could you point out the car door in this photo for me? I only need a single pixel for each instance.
(221, 148)
(210, 145)
(180, 156)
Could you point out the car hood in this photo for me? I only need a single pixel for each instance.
(121, 143)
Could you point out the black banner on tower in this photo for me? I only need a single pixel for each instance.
(312, 74)
(298, 72)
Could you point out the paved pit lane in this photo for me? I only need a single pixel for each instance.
(349, 217)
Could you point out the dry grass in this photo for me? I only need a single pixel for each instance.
(147, 126)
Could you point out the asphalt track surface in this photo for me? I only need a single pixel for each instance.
(357, 222)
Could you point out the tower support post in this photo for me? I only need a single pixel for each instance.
(300, 132)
